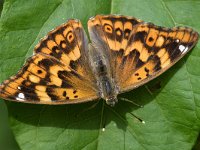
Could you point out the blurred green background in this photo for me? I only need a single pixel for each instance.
(7, 141)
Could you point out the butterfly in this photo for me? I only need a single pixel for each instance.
(124, 53)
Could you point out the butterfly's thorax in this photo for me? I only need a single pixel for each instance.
(107, 86)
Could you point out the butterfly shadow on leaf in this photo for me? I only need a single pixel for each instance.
(91, 115)
(124, 112)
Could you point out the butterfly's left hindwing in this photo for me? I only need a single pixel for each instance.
(57, 73)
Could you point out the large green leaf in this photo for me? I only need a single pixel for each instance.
(171, 112)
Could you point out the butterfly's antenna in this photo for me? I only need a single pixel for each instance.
(142, 121)
(127, 100)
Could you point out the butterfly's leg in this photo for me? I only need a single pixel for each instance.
(148, 90)
(142, 121)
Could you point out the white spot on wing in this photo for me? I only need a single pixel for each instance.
(183, 49)
(20, 97)
(19, 88)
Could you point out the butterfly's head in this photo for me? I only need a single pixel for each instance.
(110, 93)
(111, 100)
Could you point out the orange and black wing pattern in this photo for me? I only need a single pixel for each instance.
(139, 51)
(153, 50)
(57, 73)
(110, 34)
(60, 70)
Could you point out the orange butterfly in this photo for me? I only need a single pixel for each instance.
(124, 54)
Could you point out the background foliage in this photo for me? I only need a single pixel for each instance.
(171, 111)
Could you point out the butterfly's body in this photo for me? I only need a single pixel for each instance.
(107, 86)
(124, 54)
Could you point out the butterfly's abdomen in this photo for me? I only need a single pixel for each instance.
(107, 86)
(105, 82)
(103, 78)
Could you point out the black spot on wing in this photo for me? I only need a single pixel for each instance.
(137, 74)
(63, 75)
(45, 63)
(76, 96)
(127, 33)
(64, 93)
(150, 39)
(140, 36)
(56, 52)
(73, 64)
(39, 71)
(75, 91)
(50, 93)
(146, 69)
(139, 63)
(156, 61)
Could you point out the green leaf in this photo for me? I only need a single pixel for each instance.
(1, 5)
(171, 112)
